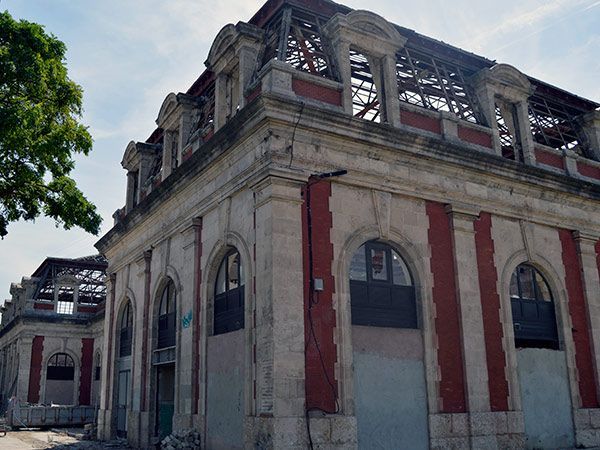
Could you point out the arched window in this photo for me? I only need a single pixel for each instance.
(533, 313)
(166, 316)
(382, 293)
(126, 331)
(61, 367)
(229, 294)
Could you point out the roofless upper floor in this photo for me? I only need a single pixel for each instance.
(59, 289)
(355, 62)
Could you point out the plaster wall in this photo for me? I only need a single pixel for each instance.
(225, 391)
(389, 388)
(545, 398)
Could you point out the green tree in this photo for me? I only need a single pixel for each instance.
(39, 130)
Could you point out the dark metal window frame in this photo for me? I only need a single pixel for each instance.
(540, 331)
(167, 313)
(228, 307)
(430, 82)
(126, 331)
(295, 37)
(61, 367)
(366, 307)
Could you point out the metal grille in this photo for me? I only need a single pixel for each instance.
(554, 124)
(365, 103)
(89, 273)
(294, 36)
(426, 81)
(207, 111)
(506, 138)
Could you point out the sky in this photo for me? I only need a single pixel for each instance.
(129, 54)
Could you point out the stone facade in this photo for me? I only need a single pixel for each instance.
(59, 310)
(279, 155)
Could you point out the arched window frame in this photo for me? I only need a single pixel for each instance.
(126, 331)
(167, 314)
(533, 309)
(61, 366)
(368, 288)
(229, 308)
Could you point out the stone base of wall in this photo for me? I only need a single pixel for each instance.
(331, 432)
(485, 430)
(104, 424)
(587, 427)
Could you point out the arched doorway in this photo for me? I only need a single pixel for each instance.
(541, 362)
(226, 357)
(390, 394)
(164, 360)
(60, 380)
(124, 369)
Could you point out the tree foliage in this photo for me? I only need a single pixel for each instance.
(39, 130)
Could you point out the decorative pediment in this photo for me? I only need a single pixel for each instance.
(371, 23)
(507, 74)
(130, 156)
(222, 42)
(168, 106)
(365, 30)
(224, 47)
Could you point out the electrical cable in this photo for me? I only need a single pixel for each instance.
(312, 301)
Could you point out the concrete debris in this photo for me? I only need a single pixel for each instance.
(183, 439)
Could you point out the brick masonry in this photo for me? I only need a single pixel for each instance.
(35, 371)
(87, 363)
(490, 302)
(578, 313)
(450, 360)
(474, 136)
(420, 121)
(322, 93)
(320, 361)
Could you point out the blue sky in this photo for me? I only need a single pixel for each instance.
(129, 54)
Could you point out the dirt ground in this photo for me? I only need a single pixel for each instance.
(55, 439)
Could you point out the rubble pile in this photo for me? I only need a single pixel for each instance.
(184, 439)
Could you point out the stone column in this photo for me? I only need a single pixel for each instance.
(247, 63)
(591, 126)
(280, 311)
(525, 136)
(342, 56)
(220, 100)
(105, 412)
(390, 89)
(471, 321)
(25, 344)
(470, 305)
(591, 282)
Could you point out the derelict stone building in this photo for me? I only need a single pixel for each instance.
(346, 234)
(51, 334)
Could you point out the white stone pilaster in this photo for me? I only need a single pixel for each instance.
(279, 300)
(469, 299)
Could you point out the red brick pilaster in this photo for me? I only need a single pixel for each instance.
(319, 315)
(490, 306)
(35, 370)
(580, 326)
(447, 326)
(87, 363)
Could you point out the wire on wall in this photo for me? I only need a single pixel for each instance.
(313, 299)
